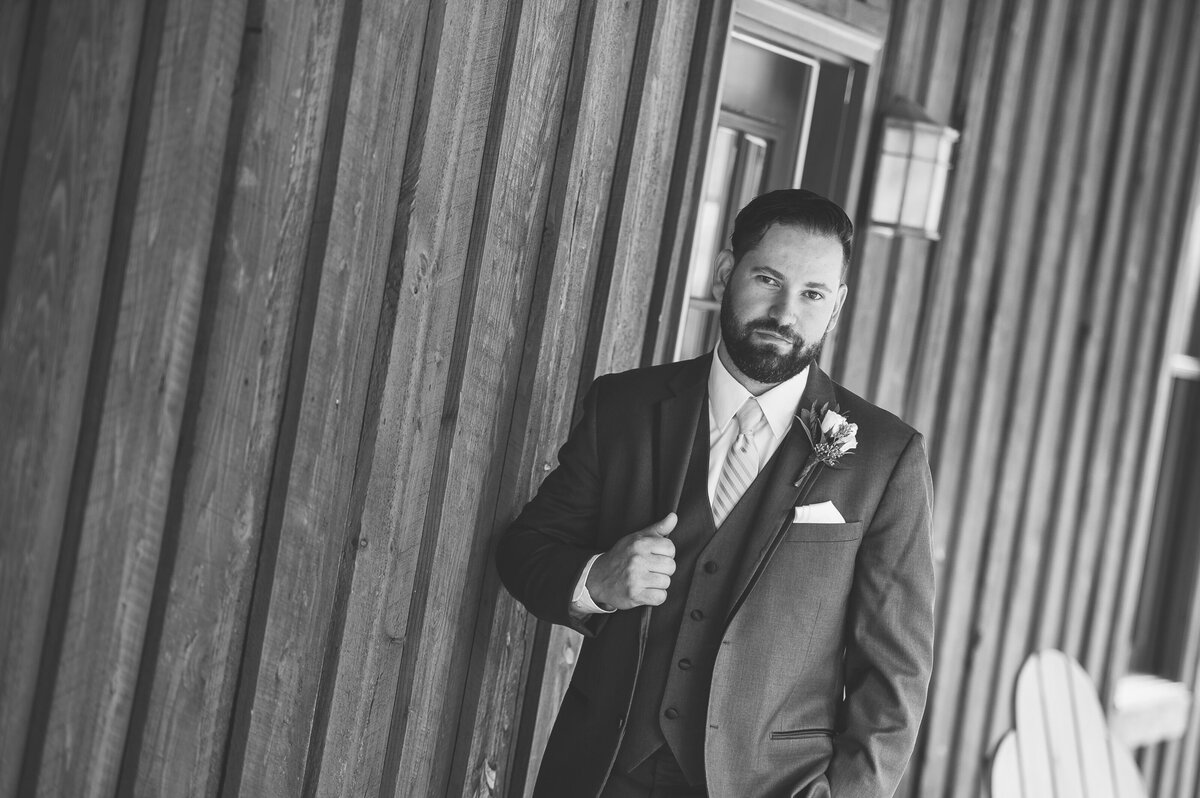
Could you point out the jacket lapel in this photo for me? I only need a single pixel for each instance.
(678, 415)
(775, 511)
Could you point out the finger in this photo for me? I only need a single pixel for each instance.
(665, 526)
(663, 547)
(654, 580)
(661, 564)
(653, 597)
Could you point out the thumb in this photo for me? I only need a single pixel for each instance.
(664, 527)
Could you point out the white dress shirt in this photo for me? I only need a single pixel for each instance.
(725, 397)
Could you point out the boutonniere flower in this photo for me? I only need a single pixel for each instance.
(830, 434)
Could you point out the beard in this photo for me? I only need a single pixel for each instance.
(764, 362)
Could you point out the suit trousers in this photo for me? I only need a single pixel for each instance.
(657, 777)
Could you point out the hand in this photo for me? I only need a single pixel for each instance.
(637, 569)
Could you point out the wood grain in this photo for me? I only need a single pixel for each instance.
(1136, 313)
(498, 267)
(54, 265)
(1091, 455)
(1180, 247)
(865, 312)
(541, 414)
(1028, 482)
(1154, 247)
(297, 612)
(14, 33)
(962, 426)
(148, 379)
(1011, 399)
(640, 187)
(286, 73)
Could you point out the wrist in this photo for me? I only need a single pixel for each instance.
(595, 589)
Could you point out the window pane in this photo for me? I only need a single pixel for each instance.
(699, 332)
(710, 220)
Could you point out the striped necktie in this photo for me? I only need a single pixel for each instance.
(741, 464)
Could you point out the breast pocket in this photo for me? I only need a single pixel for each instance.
(823, 533)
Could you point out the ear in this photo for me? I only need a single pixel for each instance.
(725, 265)
(837, 308)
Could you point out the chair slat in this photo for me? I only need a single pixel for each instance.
(1034, 749)
(1059, 719)
(1005, 778)
(1091, 729)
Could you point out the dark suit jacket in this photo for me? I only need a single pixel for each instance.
(822, 677)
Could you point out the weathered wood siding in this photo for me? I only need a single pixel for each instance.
(296, 299)
(1027, 343)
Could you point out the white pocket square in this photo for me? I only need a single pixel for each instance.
(823, 513)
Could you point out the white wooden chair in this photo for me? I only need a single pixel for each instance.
(1061, 746)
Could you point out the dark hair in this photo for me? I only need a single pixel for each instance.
(792, 206)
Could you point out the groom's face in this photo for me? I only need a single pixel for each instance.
(779, 302)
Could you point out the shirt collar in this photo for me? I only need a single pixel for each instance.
(726, 396)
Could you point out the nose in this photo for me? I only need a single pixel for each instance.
(785, 310)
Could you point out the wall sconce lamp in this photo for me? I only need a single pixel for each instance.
(910, 184)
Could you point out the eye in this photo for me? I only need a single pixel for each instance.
(815, 296)
(767, 279)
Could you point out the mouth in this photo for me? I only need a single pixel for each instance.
(774, 336)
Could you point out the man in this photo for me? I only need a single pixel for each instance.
(752, 574)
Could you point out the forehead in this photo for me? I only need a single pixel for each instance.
(798, 254)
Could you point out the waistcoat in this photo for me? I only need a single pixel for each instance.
(670, 699)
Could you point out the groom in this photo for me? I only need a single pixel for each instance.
(745, 546)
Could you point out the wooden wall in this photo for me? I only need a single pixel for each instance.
(297, 299)
(1027, 343)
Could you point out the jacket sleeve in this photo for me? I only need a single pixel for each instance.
(889, 636)
(542, 553)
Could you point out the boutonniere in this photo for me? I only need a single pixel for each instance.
(830, 434)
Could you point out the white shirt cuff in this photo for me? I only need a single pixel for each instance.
(581, 599)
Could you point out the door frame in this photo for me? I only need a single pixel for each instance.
(858, 34)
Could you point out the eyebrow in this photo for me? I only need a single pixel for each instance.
(779, 276)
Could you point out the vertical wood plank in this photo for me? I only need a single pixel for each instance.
(151, 361)
(1043, 398)
(403, 445)
(498, 268)
(866, 312)
(297, 610)
(1049, 552)
(1022, 305)
(558, 321)
(1064, 609)
(54, 269)
(641, 186)
(1151, 265)
(1182, 311)
(14, 32)
(286, 74)
(965, 433)
(895, 348)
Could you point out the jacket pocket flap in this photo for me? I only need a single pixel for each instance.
(823, 533)
(800, 734)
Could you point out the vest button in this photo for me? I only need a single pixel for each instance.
(672, 713)
(685, 664)
(711, 567)
(697, 615)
